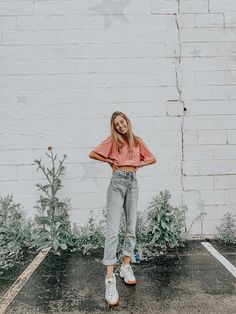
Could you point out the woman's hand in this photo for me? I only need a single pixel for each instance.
(112, 163)
(141, 164)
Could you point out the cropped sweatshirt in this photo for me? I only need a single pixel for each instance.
(126, 157)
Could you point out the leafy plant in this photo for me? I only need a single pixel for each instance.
(15, 232)
(91, 236)
(227, 229)
(52, 226)
(165, 226)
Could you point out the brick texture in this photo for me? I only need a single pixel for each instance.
(67, 65)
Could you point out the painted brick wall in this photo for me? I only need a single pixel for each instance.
(66, 65)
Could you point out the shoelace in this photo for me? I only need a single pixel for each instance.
(111, 288)
(129, 270)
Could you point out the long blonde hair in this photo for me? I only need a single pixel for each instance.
(118, 138)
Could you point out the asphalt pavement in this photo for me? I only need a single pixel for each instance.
(187, 280)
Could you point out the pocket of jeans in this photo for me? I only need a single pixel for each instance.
(117, 179)
(112, 182)
(117, 182)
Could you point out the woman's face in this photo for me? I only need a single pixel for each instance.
(121, 125)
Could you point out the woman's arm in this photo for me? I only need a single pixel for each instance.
(150, 162)
(96, 156)
(147, 163)
(147, 157)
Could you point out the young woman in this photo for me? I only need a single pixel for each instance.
(125, 153)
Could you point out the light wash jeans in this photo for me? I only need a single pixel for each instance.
(122, 193)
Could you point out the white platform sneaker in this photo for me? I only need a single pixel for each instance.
(126, 272)
(111, 294)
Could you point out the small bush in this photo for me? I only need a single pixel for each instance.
(164, 228)
(227, 230)
(15, 232)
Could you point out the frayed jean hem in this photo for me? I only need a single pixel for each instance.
(109, 262)
(126, 253)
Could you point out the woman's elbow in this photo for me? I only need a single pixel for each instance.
(91, 154)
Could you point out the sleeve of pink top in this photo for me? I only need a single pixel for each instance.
(145, 153)
(104, 147)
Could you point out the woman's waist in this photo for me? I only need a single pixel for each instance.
(124, 174)
(126, 165)
(126, 168)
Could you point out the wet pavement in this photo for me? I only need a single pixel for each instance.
(189, 280)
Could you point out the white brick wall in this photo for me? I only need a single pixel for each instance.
(65, 67)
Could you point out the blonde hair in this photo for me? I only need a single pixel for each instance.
(118, 138)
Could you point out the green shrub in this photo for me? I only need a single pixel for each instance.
(227, 229)
(165, 226)
(52, 226)
(15, 232)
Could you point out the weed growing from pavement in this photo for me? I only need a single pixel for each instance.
(227, 229)
(52, 225)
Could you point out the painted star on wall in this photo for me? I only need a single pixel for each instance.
(21, 99)
(111, 10)
(196, 53)
(91, 171)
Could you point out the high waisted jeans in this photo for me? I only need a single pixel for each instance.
(122, 193)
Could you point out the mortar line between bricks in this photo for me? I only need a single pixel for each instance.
(21, 280)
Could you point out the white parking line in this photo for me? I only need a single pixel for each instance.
(21, 280)
(231, 268)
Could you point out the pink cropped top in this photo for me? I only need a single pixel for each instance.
(126, 157)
